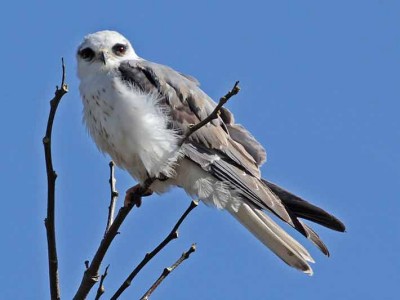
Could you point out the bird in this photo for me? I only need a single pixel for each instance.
(138, 112)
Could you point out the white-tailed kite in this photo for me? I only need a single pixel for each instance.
(137, 111)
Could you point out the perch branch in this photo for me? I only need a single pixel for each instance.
(113, 197)
(215, 113)
(51, 186)
(101, 289)
(167, 271)
(171, 236)
(91, 274)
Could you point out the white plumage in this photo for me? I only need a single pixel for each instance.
(129, 125)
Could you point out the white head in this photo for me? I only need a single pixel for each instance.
(102, 51)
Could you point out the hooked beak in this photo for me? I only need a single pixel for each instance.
(103, 57)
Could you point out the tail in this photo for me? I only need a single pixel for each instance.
(275, 238)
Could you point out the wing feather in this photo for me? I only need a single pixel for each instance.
(189, 105)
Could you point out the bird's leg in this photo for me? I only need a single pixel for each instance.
(134, 195)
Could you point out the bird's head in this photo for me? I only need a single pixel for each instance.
(102, 51)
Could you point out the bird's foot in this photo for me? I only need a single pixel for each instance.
(134, 195)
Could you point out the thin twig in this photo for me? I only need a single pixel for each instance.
(167, 271)
(113, 197)
(91, 274)
(101, 289)
(215, 113)
(51, 187)
(171, 236)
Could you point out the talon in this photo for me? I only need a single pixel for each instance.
(134, 195)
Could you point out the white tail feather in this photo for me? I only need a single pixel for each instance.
(284, 236)
(274, 237)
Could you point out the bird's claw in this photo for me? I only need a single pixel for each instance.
(134, 195)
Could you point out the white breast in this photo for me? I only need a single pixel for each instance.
(132, 128)
(128, 125)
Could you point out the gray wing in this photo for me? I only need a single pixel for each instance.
(240, 154)
(188, 104)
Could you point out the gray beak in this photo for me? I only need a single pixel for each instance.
(103, 57)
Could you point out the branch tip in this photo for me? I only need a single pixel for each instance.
(168, 271)
(194, 203)
(101, 289)
(113, 197)
(214, 115)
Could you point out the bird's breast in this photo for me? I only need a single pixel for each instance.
(130, 126)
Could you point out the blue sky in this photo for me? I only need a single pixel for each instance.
(320, 89)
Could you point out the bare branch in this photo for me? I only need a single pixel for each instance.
(235, 90)
(91, 275)
(101, 289)
(171, 236)
(167, 271)
(113, 197)
(51, 187)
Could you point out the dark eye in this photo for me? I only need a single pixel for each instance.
(86, 54)
(119, 49)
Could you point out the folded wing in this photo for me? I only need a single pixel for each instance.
(232, 155)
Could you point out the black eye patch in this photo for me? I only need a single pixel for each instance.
(86, 54)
